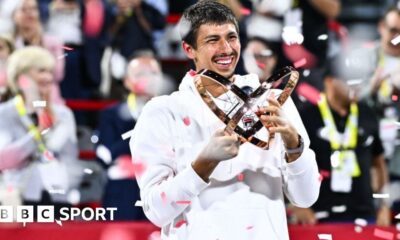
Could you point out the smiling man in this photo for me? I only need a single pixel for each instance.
(198, 181)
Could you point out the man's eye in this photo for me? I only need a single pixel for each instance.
(212, 41)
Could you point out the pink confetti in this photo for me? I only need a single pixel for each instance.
(186, 121)
(133, 168)
(395, 98)
(62, 56)
(308, 92)
(10, 189)
(48, 155)
(183, 202)
(300, 63)
(67, 48)
(383, 234)
(323, 174)
(249, 227)
(164, 198)
(180, 223)
(240, 177)
(245, 11)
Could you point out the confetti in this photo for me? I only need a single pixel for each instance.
(45, 131)
(180, 223)
(358, 229)
(249, 227)
(59, 222)
(164, 198)
(339, 209)
(323, 37)
(323, 174)
(186, 121)
(88, 171)
(395, 98)
(62, 56)
(48, 156)
(240, 177)
(380, 195)
(67, 48)
(183, 202)
(353, 82)
(104, 154)
(39, 104)
(360, 221)
(383, 234)
(397, 216)
(56, 191)
(321, 215)
(300, 63)
(325, 236)
(138, 203)
(395, 40)
(127, 135)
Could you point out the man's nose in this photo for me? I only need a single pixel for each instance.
(225, 46)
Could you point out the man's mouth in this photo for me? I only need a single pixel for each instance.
(224, 61)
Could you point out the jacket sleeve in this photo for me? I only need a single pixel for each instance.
(160, 184)
(301, 177)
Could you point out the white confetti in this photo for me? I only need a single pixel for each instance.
(397, 217)
(321, 215)
(353, 82)
(56, 191)
(325, 236)
(62, 56)
(380, 195)
(323, 37)
(59, 222)
(339, 209)
(358, 229)
(104, 154)
(138, 203)
(39, 104)
(127, 135)
(395, 40)
(45, 131)
(360, 221)
(88, 171)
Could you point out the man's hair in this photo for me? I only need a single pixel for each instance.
(389, 10)
(204, 12)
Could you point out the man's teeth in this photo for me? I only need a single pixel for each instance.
(224, 61)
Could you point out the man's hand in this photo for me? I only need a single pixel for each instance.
(304, 216)
(221, 147)
(273, 117)
(383, 216)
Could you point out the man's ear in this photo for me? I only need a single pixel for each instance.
(189, 50)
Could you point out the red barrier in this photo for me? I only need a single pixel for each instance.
(89, 105)
(141, 231)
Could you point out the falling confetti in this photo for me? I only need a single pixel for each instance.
(300, 63)
(183, 202)
(240, 177)
(180, 223)
(380, 195)
(397, 216)
(249, 227)
(127, 135)
(395, 98)
(164, 198)
(48, 156)
(88, 171)
(56, 191)
(39, 104)
(186, 121)
(62, 56)
(323, 174)
(59, 222)
(67, 48)
(138, 203)
(325, 236)
(360, 222)
(339, 209)
(323, 37)
(395, 40)
(383, 234)
(45, 131)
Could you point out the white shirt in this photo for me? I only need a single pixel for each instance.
(225, 208)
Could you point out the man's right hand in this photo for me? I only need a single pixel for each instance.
(222, 146)
(304, 216)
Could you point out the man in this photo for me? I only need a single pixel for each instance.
(189, 186)
(384, 94)
(143, 81)
(345, 137)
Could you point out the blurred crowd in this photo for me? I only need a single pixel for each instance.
(128, 51)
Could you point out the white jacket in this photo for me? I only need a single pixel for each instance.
(168, 137)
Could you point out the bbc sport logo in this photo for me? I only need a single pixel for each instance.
(45, 214)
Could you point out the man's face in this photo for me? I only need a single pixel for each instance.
(144, 77)
(218, 49)
(389, 28)
(27, 15)
(259, 59)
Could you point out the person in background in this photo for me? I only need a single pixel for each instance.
(6, 48)
(29, 32)
(260, 58)
(39, 152)
(344, 134)
(143, 81)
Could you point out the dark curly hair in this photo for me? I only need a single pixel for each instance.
(204, 12)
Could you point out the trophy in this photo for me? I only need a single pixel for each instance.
(240, 113)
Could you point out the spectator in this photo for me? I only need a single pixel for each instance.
(260, 58)
(344, 134)
(384, 92)
(131, 30)
(143, 81)
(29, 32)
(6, 48)
(39, 151)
